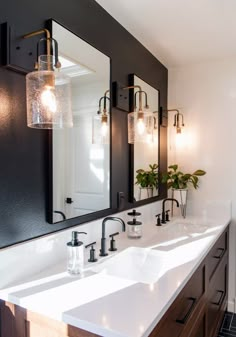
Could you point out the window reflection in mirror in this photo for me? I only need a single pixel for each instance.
(81, 161)
(145, 154)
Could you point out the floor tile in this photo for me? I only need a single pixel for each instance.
(228, 327)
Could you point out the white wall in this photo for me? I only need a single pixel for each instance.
(206, 94)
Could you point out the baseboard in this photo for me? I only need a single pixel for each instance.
(231, 306)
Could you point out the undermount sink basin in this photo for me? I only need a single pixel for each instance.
(137, 264)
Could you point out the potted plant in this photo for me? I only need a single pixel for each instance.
(147, 179)
(179, 182)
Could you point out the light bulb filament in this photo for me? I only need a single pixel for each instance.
(140, 126)
(48, 99)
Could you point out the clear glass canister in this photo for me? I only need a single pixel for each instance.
(134, 229)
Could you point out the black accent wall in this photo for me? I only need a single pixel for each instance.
(24, 151)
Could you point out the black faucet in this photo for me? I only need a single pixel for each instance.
(163, 219)
(103, 239)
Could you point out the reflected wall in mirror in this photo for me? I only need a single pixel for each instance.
(81, 157)
(145, 154)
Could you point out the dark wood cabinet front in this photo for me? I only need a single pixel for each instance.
(199, 308)
(184, 307)
(217, 296)
(216, 254)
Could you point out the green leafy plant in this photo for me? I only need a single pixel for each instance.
(148, 178)
(178, 180)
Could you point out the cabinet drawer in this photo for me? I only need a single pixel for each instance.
(183, 308)
(198, 329)
(217, 296)
(216, 254)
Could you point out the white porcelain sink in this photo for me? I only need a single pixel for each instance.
(137, 264)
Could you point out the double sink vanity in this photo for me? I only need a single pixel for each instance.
(170, 282)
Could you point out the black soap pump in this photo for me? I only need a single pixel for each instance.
(75, 256)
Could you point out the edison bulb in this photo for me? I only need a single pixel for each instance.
(140, 126)
(180, 140)
(104, 129)
(48, 99)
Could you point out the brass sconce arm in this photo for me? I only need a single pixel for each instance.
(139, 93)
(39, 32)
(178, 119)
(49, 41)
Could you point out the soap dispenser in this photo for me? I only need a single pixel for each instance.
(75, 257)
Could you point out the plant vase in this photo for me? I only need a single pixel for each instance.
(181, 196)
(145, 192)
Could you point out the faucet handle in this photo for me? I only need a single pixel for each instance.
(92, 257)
(113, 242)
(167, 215)
(158, 219)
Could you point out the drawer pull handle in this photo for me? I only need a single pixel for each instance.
(221, 250)
(185, 318)
(222, 293)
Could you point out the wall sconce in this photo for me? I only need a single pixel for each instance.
(178, 119)
(101, 122)
(177, 122)
(48, 90)
(140, 121)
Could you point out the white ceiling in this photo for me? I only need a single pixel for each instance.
(179, 32)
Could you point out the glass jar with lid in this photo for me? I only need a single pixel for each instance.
(134, 229)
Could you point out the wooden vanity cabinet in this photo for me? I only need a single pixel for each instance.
(217, 291)
(19, 322)
(184, 307)
(203, 300)
(196, 312)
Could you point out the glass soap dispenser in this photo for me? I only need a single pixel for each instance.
(134, 227)
(75, 255)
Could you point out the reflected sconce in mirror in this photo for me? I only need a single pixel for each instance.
(47, 89)
(101, 122)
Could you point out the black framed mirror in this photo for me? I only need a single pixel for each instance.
(145, 154)
(80, 182)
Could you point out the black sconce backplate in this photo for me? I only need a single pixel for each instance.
(17, 53)
(163, 117)
(120, 97)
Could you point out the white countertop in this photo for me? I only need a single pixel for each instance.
(114, 306)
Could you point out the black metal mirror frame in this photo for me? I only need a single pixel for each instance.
(90, 216)
(160, 156)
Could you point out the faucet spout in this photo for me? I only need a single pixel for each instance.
(103, 239)
(163, 220)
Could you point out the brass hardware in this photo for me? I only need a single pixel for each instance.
(104, 118)
(177, 123)
(139, 92)
(38, 32)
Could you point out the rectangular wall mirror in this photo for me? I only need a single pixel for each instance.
(81, 155)
(145, 154)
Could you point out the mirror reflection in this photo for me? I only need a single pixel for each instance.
(81, 155)
(145, 153)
